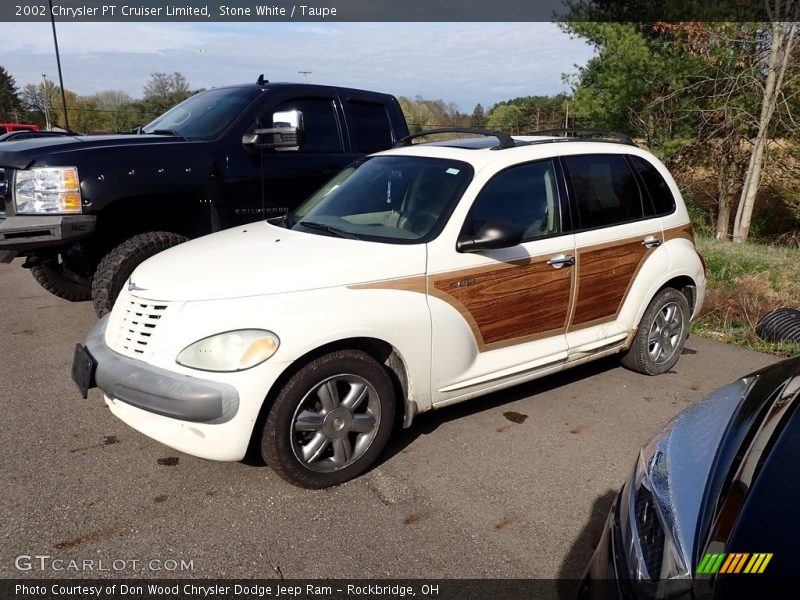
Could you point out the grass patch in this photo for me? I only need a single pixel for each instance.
(746, 281)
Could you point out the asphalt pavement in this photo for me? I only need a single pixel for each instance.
(512, 485)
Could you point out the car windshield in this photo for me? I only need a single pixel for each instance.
(385, 198)
(203, 115)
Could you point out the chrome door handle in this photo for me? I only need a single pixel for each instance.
(652, 241)
(560, 260)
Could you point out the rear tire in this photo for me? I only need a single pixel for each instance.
(52, 277)
(118, 265)
(330, 421)
(661, 334)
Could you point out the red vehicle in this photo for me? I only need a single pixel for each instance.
(8, 127)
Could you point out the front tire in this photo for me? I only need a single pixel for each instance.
(330, 421)
(118, 265)
(59, 281)
(661, 334)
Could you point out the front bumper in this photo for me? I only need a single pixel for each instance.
(157, 390)
(20, 233)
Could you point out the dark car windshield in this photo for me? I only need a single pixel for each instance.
(203, 115)
(385, 198)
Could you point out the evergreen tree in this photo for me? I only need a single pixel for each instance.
(10, 103)
(478, 118)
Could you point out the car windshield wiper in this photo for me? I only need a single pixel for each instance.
(329, 228)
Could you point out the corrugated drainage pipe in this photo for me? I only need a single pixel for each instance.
(780, 325)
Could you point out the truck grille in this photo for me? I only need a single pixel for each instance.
(133, 325)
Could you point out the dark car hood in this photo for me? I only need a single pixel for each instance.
(22, 154)
(769, 388)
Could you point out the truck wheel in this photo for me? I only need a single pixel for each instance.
(118, 265)
(661, 334)
(330, 421)
(55, 279)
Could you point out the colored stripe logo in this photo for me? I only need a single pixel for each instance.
(722, 562)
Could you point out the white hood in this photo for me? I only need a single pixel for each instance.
(260, 258)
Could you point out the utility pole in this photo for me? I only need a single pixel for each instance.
(306, 75)
(46, 102)
(58, 61)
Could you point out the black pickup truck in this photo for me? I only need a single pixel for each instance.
(86, 210)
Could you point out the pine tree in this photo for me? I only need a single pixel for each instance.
(478, 117)
(10, 104)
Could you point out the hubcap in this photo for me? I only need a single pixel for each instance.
(335, 423)
(665, 333)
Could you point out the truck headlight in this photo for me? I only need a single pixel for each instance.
(657, 565)
(47, 190)
(231, 351)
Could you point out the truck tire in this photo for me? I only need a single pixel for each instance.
(52, 278)
(118, 265)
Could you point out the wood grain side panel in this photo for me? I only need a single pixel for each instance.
(605, 277)
(406, 284)
(516, 300)
(683, 231)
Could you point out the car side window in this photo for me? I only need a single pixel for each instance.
(526, 195)
(656, 186)
(605, 190)
(320, 125)
(370, 129)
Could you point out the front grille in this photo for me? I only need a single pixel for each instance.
(133, 324)
(651, 534)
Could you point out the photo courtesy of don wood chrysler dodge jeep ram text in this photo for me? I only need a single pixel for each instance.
(416, 278)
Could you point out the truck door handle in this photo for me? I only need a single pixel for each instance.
(651, 241)
(560, 260)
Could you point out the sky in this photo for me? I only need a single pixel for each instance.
(463, 63)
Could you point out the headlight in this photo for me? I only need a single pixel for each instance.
(657, 564)
(231, 351)
(47, 190)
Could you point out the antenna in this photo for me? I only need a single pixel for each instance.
(261, 80)
(306, 75)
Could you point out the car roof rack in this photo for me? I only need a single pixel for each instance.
(506, 141)
(596, 134)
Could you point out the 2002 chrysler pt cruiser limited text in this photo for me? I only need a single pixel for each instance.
(416, 278)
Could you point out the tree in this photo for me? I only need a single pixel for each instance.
(40, 99)
(118, 110)
(782, 37)
(710, 90)
(478, 117)
(426, 114)
(163, 91)
(506, 117)
(10, 103)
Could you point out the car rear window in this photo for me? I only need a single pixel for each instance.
(604, 189)
(370, 127)
(656, 186)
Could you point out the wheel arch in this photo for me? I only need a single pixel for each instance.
(185, 214)
(682, 282)
(382, 351)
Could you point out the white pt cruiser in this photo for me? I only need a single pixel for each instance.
(416, 278)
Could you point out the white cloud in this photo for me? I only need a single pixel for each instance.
(463, 63)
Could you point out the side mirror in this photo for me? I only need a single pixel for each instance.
(286, 133)
(491, 236)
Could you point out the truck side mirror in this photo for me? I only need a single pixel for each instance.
(287, 133)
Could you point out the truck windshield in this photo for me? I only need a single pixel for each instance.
(203, 115)
(400, 199)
